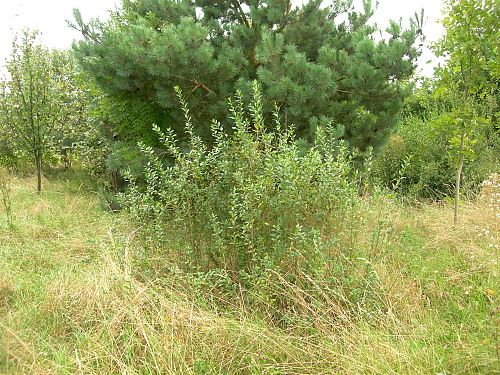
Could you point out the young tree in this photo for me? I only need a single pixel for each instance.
(321, 64)
(471, 71)
(36, 99)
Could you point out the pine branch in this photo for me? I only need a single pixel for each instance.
(196, 82)
(239, 11)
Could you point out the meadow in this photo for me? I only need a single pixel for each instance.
(78, 295)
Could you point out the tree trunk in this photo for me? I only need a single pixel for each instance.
(38, 165)
(458, 177)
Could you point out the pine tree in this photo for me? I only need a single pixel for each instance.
(319, 64)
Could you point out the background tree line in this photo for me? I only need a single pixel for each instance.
(322, 66)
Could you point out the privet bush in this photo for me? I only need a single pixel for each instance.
(250, 202)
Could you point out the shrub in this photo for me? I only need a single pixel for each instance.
(254, 201)
(419, 161)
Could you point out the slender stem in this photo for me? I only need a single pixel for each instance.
(458, 177)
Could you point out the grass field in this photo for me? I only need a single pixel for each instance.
(78, 296)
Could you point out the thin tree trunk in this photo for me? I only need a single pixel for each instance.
(38, 164)
(458, 177)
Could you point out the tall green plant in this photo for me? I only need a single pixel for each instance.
(320, 62)
(471, 70)
(252, 201)
(38, 98)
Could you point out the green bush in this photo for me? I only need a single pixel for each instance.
(419, 161)
(253, 212)
(250, 201)
(12, 157)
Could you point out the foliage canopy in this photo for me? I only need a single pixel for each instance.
(320, 64)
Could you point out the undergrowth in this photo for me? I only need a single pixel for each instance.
(248, 201)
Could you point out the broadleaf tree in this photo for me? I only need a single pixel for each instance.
(38, 98)
(319, 63)
(470, 73)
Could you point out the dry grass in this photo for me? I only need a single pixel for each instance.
(72, 301)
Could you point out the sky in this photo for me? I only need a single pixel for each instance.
(49, 16)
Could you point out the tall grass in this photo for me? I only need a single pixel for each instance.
(5, 196)
(77, 296)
